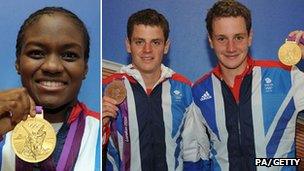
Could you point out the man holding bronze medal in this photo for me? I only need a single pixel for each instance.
(52, 53)
(248, 106)
(147, 107)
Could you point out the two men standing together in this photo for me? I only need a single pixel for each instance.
(223, 121)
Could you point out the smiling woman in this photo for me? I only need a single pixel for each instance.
(53, 65)
(52, 53)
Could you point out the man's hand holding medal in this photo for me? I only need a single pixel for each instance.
(114, 94)
(291, 52)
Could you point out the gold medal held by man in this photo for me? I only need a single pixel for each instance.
(34, 140)
(289, 53)
(116, 90)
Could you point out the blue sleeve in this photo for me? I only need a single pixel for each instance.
(201, 165)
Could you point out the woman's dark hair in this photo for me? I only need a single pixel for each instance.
(34, 17)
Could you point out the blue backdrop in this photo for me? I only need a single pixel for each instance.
(190, 53)
(12, 15)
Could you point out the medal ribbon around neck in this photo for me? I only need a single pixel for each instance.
(72, 144)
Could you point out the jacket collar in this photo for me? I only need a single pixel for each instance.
(131, 71)
(250, 63)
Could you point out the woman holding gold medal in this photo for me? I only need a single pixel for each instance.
(52, 53)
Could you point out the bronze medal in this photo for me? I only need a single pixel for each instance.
(289, 53)
(116, 90)
(33, 140)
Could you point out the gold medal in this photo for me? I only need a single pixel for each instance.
(289, 53)
(33, 140)
(116, 90)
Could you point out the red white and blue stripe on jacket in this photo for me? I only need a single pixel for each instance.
(261, 124)
(146, 135)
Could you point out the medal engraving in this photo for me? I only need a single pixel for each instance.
(289, 53)
(116, 90)
(33, 140)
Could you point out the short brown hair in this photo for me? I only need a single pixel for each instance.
(228, 8)
(148, 17)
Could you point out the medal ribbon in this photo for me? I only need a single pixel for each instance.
(125, 166)
(72, 145)
(67, 145)
(126, 137)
